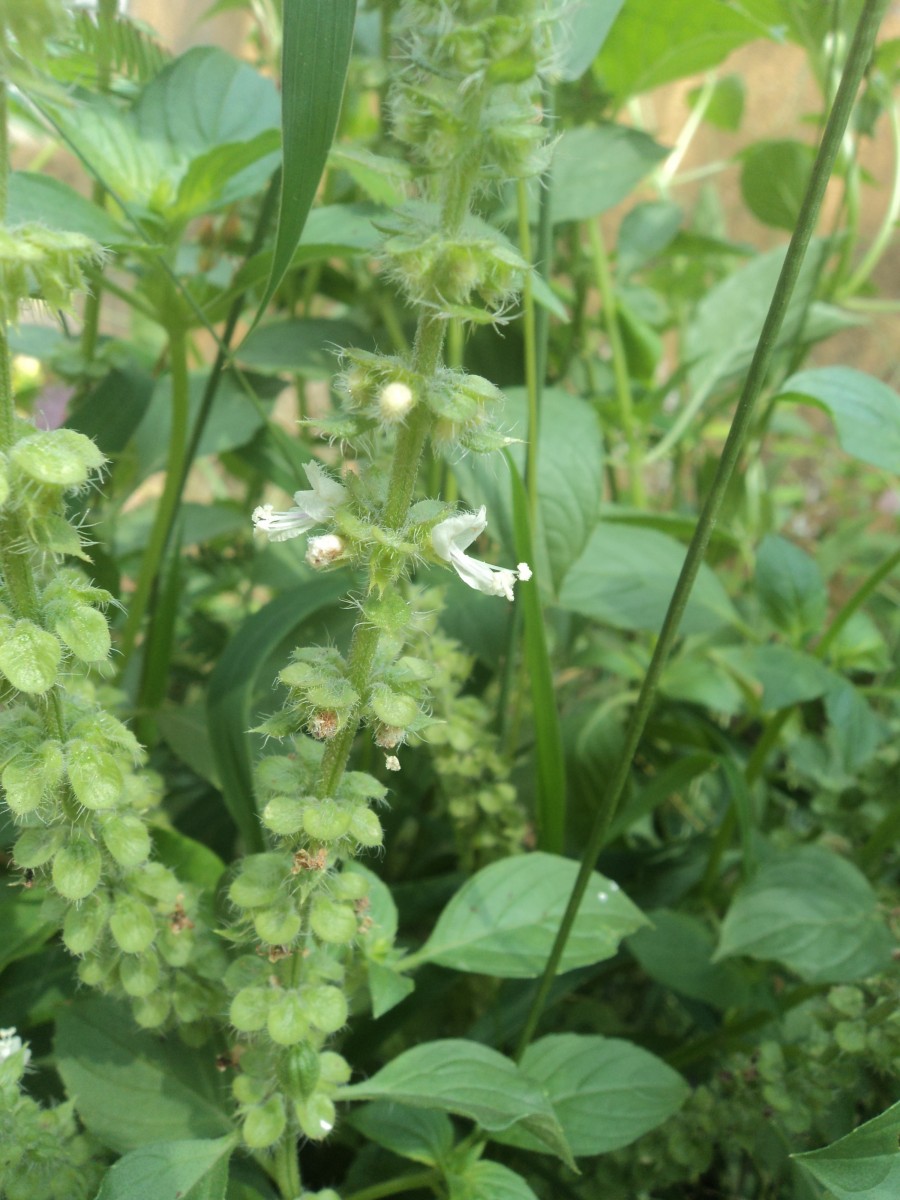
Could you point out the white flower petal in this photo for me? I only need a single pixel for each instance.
(458, 532)
(279, 526)
(450, 539)
(484, 577)
(326, 495)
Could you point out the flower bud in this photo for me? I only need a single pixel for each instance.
(94, 774)
(83, 925)
(394, 401)
(132, 925)
(249, 1009)
(287, 1022)
(125, 837)
(325, 1007)
(191, 1002)
(96, 972)
(324, 724)
(324, 550)
(140, 974)
(85, 632)
(327, 820)
(260, 880)
(393, 708)
(316, 1116)
(76, 868)
(246, 971)
(298, 1071)
(334, 1068)
(29, 657)
(331, 922)
(284, 814)
(250, 1089)
(61, 457)
(277, 926)
(350, 885)
(35, 847)
(264, 1125)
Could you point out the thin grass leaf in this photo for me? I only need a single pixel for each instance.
(318, 37)
(231, 688)
(550, 809)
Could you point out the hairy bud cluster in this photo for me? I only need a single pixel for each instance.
(37, 263)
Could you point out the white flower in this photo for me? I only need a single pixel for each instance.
(313, 507)
(450, 539)
(10, 1044)
(324, 550)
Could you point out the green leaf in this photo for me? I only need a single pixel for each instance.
(656, 41)
(468, 1079)
(489, 1181)
(606, 1092)
(231, 690)
(812, 911)
(774, 176)
(865, 411)
(188, 1170)
(625, 578)
(25, 926)
(387, 987)
(316, 44)
(56, 204)
(579, 33)
(778, 675)
(188, 858)
(186, 730)
(503, 921)
(130, 1088)
(421, 1134)
(226, 174)
(725, 107)
(646, 230)
(790, 587)
(596, 167)
(304, 347)
(385, 180)
(864, 1165)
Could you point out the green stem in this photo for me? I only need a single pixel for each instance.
(286, 1169)
(394, 1187)
(859, 56)
(168, 504)
(619, 362)
(532, 382)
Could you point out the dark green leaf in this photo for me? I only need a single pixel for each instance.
(422, 1134)
(304, 347)
(316, 44)
(595, 168)
(24, 921)
(483, 1180)
(188, 1170)
(605, 1091)
(503, 920)
(864, 1165)
(778, 676)
(812, 911)
(773, 180)
(625, 577)
(865, 411)
(130, 1088)
(790, 587)
(471, 1080)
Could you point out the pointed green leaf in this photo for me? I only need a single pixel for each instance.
(865, 411)
(489, 1181)
(864, 1165)
(188, 1170)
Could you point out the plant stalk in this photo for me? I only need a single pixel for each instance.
(857, 61)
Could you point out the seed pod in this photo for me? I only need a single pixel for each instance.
(284, 814)
(191, 1003)
(334, 1068)
(35, 847)
(76, 868)
(326, 821)
(151, 1011)
(325, 1007)
(365, 827)
(287, 1023)
(249, 1009)
(29, 657)
(249, 1089)
(140, 974)
(298, 1071)
(277, 926)
(175, 948)
(264, 1124)
(83, 925)
(96, 971)
(126, 838)
(94, 774)
(132, 924)
(350, 885)
(332, 922)
(316, 1116)
(260, 880)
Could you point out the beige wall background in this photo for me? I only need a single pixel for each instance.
(779, 92)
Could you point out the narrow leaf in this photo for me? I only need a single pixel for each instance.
(318, 37)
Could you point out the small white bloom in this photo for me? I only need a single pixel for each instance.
(324, 550)
(392, 762)
(450, 539)
(312, 507)
(10, 1044)
(394, 401)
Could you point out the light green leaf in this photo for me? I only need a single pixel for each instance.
(790, 587)
(468, 1079)
(812, 911)
(316, 43)
(130, 1088)
(188, 1170)
(503, 921)
(489, 1181)
(778, 675)
(385, 180)
(56, 204)
(387, 987)
(606, 1092)
(596, 167)
(421, 1134)
(579, 32)
(865, 411)
(725, 107)
(864, 1165)
(625, 577)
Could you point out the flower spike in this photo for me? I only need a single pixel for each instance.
(450, 539)
(312, 507)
